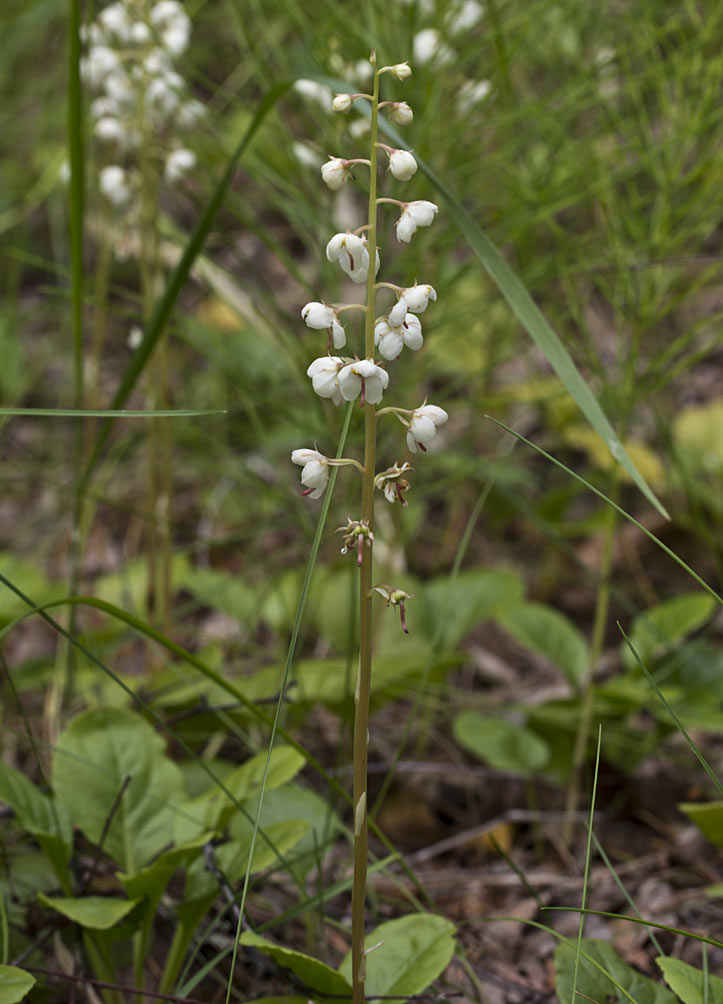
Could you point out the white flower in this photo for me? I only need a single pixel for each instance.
(391, 340)
(423, 426)
(110, 130)
(315, 473)
(401, 70)
(415, 298)
(335, 173)
(314, 91)
(190, 113)
(393, 483)
(402, 164)
(342, 103)
(352, 254)
(318, 315)
(324, 373)
(165, 12)
(178, 163)
(114, 20)
(471, 92)
(427, 45)
(400, 113)
(98, 65)
(119, 89)
(140, 33)
(113, 185)
(176, 36)
(363, 376)
(415, 214)
(163, 93)
(466, 17)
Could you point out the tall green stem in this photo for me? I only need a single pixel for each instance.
(363, 687)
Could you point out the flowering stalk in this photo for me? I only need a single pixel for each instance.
(342, 378)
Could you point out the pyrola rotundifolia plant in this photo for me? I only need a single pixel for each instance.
(365, 373)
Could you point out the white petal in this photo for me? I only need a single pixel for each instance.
(438, 415)
(391, 344)
(412, 332)
(398, 312)
(338, 334)
(423, 429)
(302, 457)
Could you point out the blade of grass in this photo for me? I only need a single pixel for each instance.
(678, 724)
(619, 883)
(631, 519)
(633, 920)
(586, 875)
(108, 413)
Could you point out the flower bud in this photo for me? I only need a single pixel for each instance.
(318, 315)
(401, 70)
(342, 103)
(335, 173)
(113, 185)
(402, 164)
(400, 113)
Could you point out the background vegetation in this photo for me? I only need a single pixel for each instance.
(584, 140)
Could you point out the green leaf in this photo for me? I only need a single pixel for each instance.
(151, 881)
(708, 817)
(35, 811)
(499, 743)
(665, 625)
(404, 956)
(291, 804)
(689, 983)
(549, 633)
(594, 985)
(232, 857)
(211, 810)
(14, 984)
(92, 760)
(314, 974)
(451, 607)
(98, 913)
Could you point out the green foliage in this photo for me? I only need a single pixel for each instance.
(663, 626)
(315, 975)
(110, 765)
(549, 633)
(404, 956)
(601, 975)
(691, 985)
(98, 913)
(500, 743)
(14, 984)
(708, 817)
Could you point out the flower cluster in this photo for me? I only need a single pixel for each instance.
(129, 64)
(359, 375)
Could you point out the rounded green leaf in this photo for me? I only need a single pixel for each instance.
(708, 817)
(314, 974)
(550, 634)
(688, 983)
(499, 743)
(99, 913)
(404, 956)
(600, 974)
(95, 755)
(665, 625)
(14, 984)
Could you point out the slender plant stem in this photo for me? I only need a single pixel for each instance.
(602, 605)
(363, 687)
